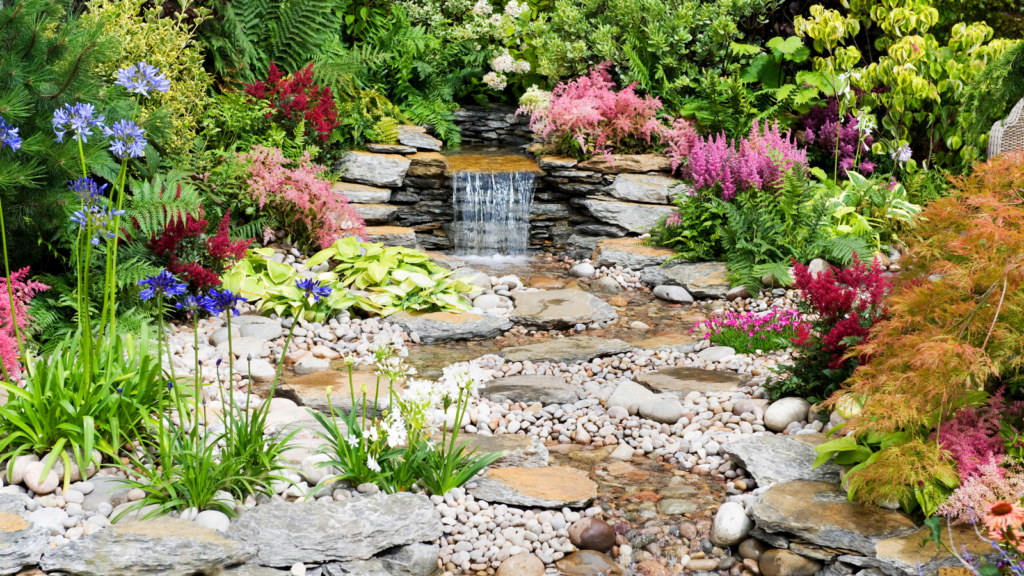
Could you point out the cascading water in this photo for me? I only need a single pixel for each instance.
(492, 210)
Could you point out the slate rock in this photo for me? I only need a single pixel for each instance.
(437, 327)
(21, 543)
(286, 533)
(778, 459)
(632, 217)
(560, 309)
(531, 388)
(681, 380)
(108, 489)
(547, 487)
(701, 279)
(569, 350)
(375, 214)
(392, 235)
(381, 170)
(520, 450)
(418, 139)
(629, 253)
(626, 163)
(411, 560)
(645, 188)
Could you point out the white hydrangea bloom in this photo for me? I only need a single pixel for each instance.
(503, 63)
(482, 8)
(521, 67)
(495, 81)
(515, 9)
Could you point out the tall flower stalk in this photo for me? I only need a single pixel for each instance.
(9, 138)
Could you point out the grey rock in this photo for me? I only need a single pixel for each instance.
(531, 388)
(662, 410)
(418, 139)
(362, 194)
(629, 253)
(520, 450)
(382, 170)
(556, 163)
(569, 350)
(630, 395)
(106, 489)
(644, 188)
(560, 309)
(286, 533)
(676, 294)
(602, 230)
(21, 543)
(162, 547)
(681, 380)
(784, 412)
(220, 335)
(262, 330)
(446, 327)
(632, 217)
(609, 286)
(474, 277)
(310, 364)
(777, 459)
(716, 353)
(586, 243)
(374, 214)
(817, 266)
(390, 149)
(701, 279)
(242, 347)
(411, 560)
(392, 236)
(371, 567)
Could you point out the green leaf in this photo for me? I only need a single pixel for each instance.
(279, 273)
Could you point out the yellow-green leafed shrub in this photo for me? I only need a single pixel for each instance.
(164, 42)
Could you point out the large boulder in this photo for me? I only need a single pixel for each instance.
(631, 396)
(547, 487)
(448, 326)
(778, 459)
(560, 309)
(286, 533)
(530, 388)
(632, 217)
(382, 170)
(681, 380)
(162, 547)
(629, 253)
(645, 188)
(568, 350)
(623, 163)
(701, 279)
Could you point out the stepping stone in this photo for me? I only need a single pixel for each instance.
(376, 213)
(646, 188)
(448, 326)
(165, 546)
(361, 193)
(632, 217)
(310, 391)
(779, 459)
(530, 388)
(392, 235)
(629, 253)
(821, 513)
(521, 451)
(677, 341)
(316, 532)
(568, 350)
(916, 554)
(559, 309)
(681, 380)
(701, 279)
(381, 170)
(547, 487)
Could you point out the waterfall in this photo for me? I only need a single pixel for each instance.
(492, 212)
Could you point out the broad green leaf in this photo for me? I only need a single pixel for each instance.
(320, 257)
(376, 272)
(279, 273)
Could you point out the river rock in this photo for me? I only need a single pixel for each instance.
(644, 188)
(569, 350)
(607, 286)
(547, 487)
(381, 170)
(411, 560)
(701, 279)
(106, 489)
(361, 193)
(663, 410)
(676, 506)
(777, 459)
(588, 563)
(437, 327)
(377, 148)
(626, 163)
(391, 235)
(286, 533)
(630, 395)
(260, 370)
(521, 565)
(21, 543)
(18, 468)
(752, 549)
(560, 309)
(250, 326)
(243, 347)
(309, 364)
(632, 217)
(629, 253)
(162, 547)
(681, 380)
(582, 270)
(669, 340)
(786, 563)
(731, 525)
(784, 412)
(531, 388)
(821, 513)
(213, 519)
(676, 294)
(716, 353)
(592, 534)
(39, 483)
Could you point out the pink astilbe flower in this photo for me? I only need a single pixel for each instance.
(23, 291)
(973, 435)
(297, 193)
(991, 483)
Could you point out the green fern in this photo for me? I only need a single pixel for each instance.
(157, 204)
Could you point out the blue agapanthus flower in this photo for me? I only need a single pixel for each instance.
(80, 119)
(98, 219)
(224, 301)
(9, 136)
(142, 78)
(163, 283)
(192, 304)
(127, 139)
(313, 288)
(89, 192)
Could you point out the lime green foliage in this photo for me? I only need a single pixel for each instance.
(872, 209)
(396, 278)
(163, 42)
(991, 96)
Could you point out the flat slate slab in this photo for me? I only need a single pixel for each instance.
(917, 554)
(631, 216)
(623, 163)
(521, 451)
(361, 193)
(310, 391)
(629, 253)
(381, 170)
(568, 350)
(376, 213)
(678, 341)
(780, 459)
(557, 309)
(392, 235)
(547, 487)
(821, 513)
(418, 139)
(701, 279)
(646, 188)
(21, 542)
(530, 388)
(448, 326)
(681, 380)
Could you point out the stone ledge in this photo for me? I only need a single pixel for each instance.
(392, 235)
(629, 253)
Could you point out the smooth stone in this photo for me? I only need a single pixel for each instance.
(629, 253)
(716, 353)
(582, 270)
(473, 277)
(381, 170)
(676, 294)
(162, 547)
(38, 483)
(316, 532)
(262, 330)
(785, 563)
(220, 335)
(665, 411)
(106, 490)
(588, 563)
(623, 452)
(784, 412)
(412, 560)
(546, 283)
(731, 525)
(749, 406)
(310, 364)
(817, 266)
(592, 534)
(701, 279)
(213, 519)
(568, 350)
(531, 388)
(438, 327)
(704, 564)
(260, 370)
(676, 506)
(242, 347)
(737, 292)
(777, 459)
(547, 487)
(18, 469)
(606, 286)
(632, 217)
(680, 381)
(521, 565)
(631, 396)
(487, 301)
(752, 549)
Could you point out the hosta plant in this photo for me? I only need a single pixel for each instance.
(872, 209)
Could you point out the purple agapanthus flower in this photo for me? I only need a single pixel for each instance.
(98, 219)
(80, 119)
(313, 288)
(163, 283)
(88, 191)
(127, 139)
(9, 136)
(193, 304)
(142, 78)
(224, 301)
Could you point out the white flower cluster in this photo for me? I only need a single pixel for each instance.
(515, 9)
(503, 64)
(495, 81)
(482, 8)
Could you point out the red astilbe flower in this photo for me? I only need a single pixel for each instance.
(23, 291)
(297, 97)
(195, 257)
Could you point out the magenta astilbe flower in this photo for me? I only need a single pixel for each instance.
(23, 292)
(973, 435)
